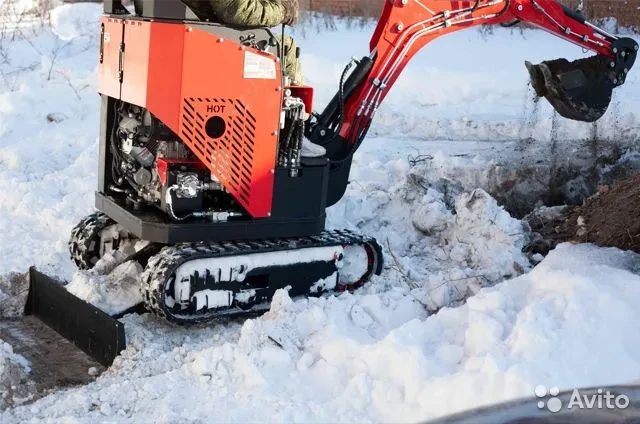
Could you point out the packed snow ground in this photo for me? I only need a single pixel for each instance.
(368, 356)
(373, 356)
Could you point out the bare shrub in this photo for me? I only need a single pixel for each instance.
(23, 26)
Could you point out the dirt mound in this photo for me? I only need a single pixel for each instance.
(608, 218)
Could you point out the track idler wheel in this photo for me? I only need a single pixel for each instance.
(84, 244)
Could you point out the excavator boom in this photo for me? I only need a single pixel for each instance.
(579, 90)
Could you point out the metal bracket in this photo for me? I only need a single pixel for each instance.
(121, 62)
(101, 43)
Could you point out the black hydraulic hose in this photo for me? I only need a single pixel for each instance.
(353, 82)
(117, 160)
(170, 207)
(503, 11)
(341, 106)
(340, 115)
(360, 133)
(574, 14)
(511, 24)
(284, 146)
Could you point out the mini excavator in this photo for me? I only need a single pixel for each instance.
(200, 161)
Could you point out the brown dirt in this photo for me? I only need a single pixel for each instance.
(609, 218)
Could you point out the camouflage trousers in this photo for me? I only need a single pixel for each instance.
(251, 14)
(292, 63)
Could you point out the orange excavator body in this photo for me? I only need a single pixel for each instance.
(221, 98)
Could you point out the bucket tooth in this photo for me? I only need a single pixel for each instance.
(537, 79)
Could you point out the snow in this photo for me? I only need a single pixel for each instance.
(352, 266)
(239, 266)
(113, 283)
(435, 334)
(48, 149)
(213, 299)
(14, 288)
(114, 292)
(327, 283)
(14, 377)
(71, 21)
(376, 357)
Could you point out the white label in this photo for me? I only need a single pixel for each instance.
(107, 37)
(258, 67)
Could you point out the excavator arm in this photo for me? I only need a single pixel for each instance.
(579, 90)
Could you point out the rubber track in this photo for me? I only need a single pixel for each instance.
(161, 266)
(84, 243)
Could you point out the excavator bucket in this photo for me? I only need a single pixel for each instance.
(580, 90)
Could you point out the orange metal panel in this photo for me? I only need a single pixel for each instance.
(198, 84)
(108, 79)
(241, 86)
(137, 35)
(165, 81)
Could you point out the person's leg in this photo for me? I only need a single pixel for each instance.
(292, 63)
(293, 71)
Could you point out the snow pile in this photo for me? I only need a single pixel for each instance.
(14, 374)
(444, 248)
(72, 21)
(14, 289)
(114, 292)
(375, 357)
(48, 132)
(112, 285)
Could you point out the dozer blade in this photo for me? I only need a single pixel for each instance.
(579, 90)
(98, 334)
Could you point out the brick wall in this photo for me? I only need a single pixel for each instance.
(626, 11)
(368, 8)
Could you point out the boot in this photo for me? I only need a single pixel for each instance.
(311, 150)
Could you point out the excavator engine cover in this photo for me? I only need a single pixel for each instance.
(580, 90)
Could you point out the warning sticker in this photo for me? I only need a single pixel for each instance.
(258, 67)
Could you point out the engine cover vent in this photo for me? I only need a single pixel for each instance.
(222, 133)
